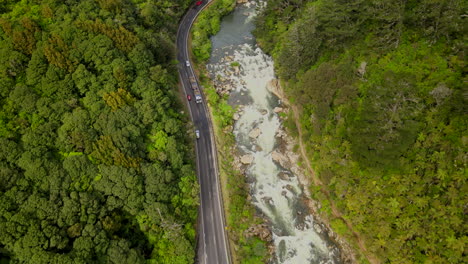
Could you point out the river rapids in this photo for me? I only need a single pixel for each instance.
(277, 197)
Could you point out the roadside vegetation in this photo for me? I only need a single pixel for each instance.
(240, 213)
(208, 24)
(95, 164)
(379, 90)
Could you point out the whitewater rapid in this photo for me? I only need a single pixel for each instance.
(278, 198)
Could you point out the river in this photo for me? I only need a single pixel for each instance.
(239, 63)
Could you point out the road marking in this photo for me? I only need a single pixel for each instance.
(213, 149)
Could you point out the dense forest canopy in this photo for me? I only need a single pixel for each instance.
(381, 86)
(95, 162)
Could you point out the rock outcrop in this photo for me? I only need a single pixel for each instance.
(254, 133)
(278, 109)
(261, 230)
(274, 86)
(247, 159)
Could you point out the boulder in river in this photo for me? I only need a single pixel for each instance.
(274, 86)
(278, 109)
(281, 159)
(247, 159)
(257, 148)
(255, 133)
(284, 176)
(229, 58)
(236, 70)
(260, 230)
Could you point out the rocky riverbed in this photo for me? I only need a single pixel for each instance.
(240, 70)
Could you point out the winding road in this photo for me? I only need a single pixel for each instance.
(212, 245)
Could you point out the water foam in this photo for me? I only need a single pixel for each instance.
(279, 199)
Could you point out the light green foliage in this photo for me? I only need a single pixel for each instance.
(383, 114)
(339, 227)
(208, 24)
(160, 140)
(254, 251)
(95, 165)
(222, 111)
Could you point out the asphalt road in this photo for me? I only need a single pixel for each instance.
(212, 243)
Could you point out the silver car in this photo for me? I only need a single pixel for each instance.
(197, 133)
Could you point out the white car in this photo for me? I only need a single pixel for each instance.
(197, 133)
(187, 63)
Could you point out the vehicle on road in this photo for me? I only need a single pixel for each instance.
(212, 238)
(189, 97)
(193, 82)
(187, 63)
(196, 91)
(198, 97)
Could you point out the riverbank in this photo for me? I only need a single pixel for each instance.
(249, 238)
(286, 155)
(351, 246)
(233, 167)
(382, 116)
(241, 71)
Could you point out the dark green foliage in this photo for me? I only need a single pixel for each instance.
(85, 92)
(380, 87)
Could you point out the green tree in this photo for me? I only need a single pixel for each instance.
(80, 88)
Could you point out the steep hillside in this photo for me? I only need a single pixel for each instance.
(95, 162)
(381, 89)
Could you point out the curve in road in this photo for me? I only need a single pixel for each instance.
(212, 243)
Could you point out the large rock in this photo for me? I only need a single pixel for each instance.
(276, 156)
(255, 133)
(274, 87)
(227, 87)
(281, 134)
(281, 159)
(260, 230)
(247, 159)
(278, 109)
(268, 200)
(236, 116)
(284, 176)
(236, 70)
(236, 163)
